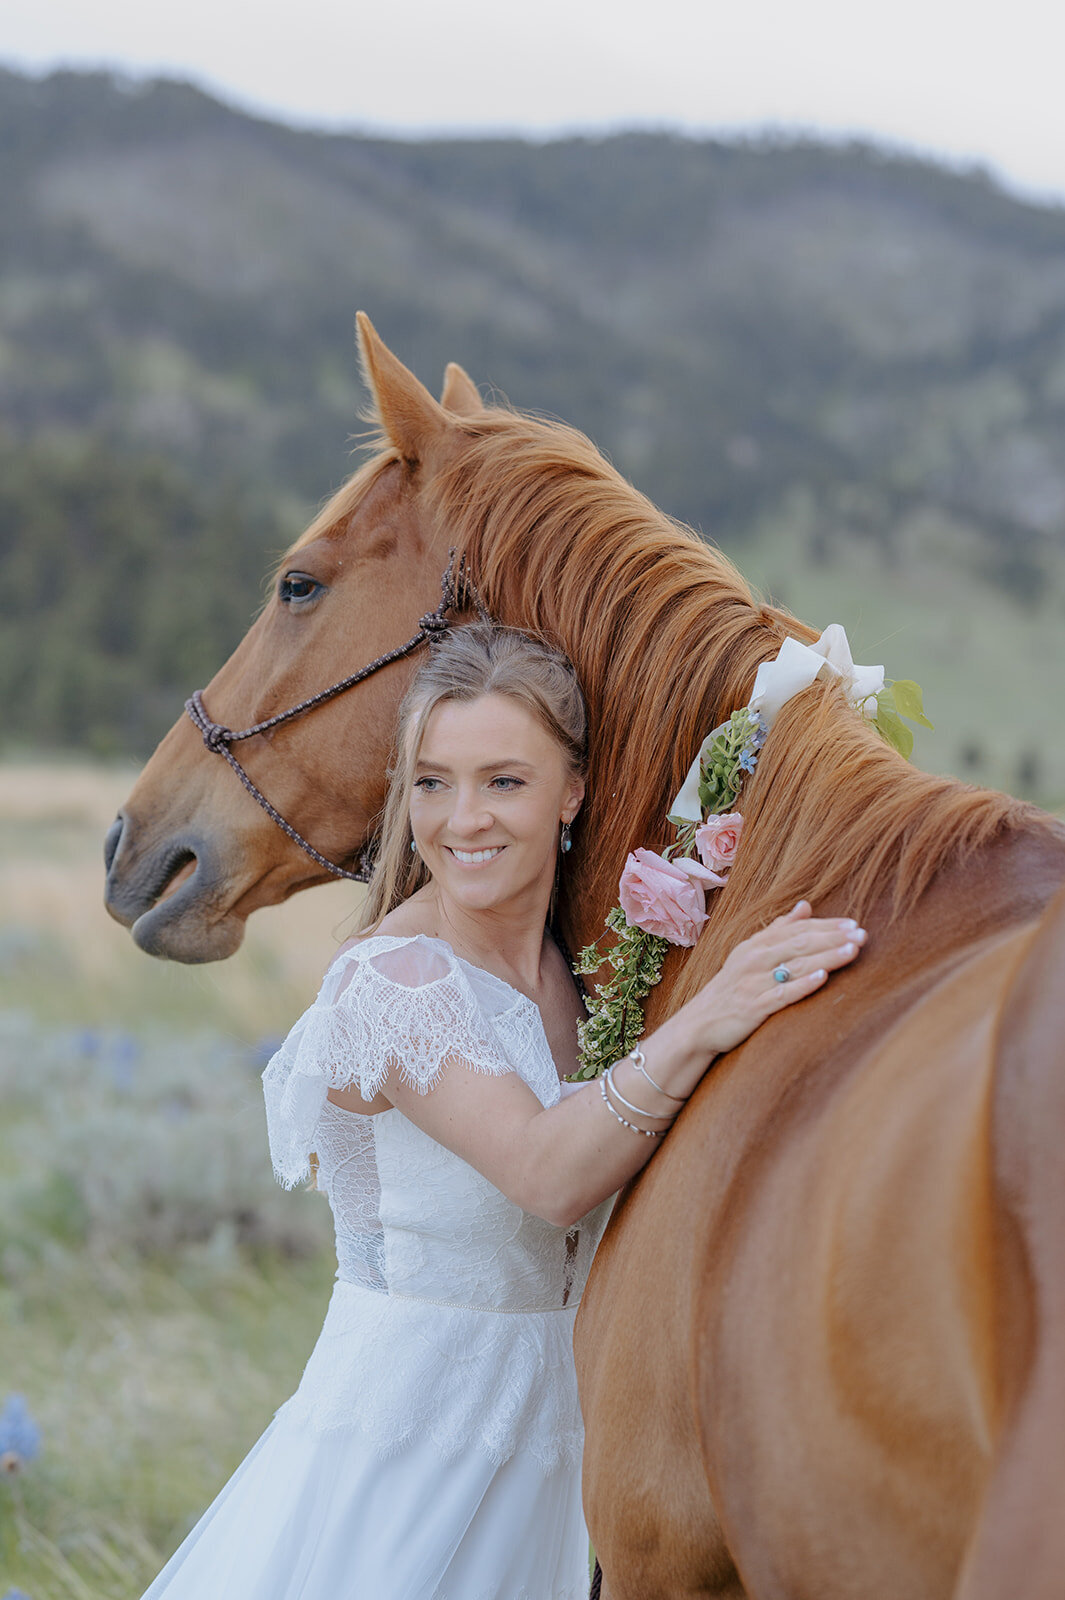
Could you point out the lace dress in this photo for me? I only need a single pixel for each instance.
(432, 1449)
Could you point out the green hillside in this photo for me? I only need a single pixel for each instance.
(846, 367)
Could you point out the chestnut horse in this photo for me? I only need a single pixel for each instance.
(822, 1351)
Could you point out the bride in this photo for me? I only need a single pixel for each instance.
(432, 1449)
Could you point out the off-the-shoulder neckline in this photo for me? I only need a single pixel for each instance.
(430, 938)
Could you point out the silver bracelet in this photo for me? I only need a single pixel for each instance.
(639, 1061)
(648, 1133)
(655, 1116)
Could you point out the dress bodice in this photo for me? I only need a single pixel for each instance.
(412, 1218)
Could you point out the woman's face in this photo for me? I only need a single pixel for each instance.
(491, 787)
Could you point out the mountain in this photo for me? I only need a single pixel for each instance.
(845, 366)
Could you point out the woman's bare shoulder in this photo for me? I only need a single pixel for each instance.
(408, 919)
(404, 921)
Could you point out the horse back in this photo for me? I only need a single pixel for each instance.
(827, 1267)
(1019, 1542)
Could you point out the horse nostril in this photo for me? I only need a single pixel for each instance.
(112, 840)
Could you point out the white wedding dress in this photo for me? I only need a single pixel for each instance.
(432, 1450)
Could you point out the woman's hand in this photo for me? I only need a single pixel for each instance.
(744, 992)
(561, 1160)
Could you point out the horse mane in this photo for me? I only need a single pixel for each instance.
(666, 636)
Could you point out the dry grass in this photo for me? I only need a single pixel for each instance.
(63, 957)
(158, 1296)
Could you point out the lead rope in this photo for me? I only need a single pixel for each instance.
(454, 595)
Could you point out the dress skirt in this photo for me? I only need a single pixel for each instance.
(323, 1514)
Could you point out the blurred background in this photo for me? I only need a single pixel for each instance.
(801, 277)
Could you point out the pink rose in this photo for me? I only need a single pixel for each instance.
(666, 897)
(718, 840)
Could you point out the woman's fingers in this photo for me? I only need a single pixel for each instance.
(797, 988)
(828, 959)
(813, 933)
(806, 942)
(797, 948)
(812, 942)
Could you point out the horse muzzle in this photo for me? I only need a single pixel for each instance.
(170, 894)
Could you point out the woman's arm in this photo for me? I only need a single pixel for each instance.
(561, 1161)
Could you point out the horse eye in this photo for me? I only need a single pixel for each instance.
(297, 587)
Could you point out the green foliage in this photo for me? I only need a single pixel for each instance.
(615, 1012)
(615, 1021)
(124, 588)
(902, 698)
(733, 752)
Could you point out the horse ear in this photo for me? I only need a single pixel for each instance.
(410, 416)
(460, 393)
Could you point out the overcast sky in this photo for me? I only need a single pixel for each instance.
(965, 81)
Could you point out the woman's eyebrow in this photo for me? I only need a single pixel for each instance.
(507, 762)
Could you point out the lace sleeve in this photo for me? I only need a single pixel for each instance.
(407, 1009)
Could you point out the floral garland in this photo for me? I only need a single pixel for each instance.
(663, 897)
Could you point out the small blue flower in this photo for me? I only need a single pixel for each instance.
(748, 758)
(121, 1064)
(20, 1437)
(263, 1049)
(16, 1594)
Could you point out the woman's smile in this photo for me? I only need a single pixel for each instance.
(490, 790)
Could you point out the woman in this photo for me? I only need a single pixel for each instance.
(432, 1450)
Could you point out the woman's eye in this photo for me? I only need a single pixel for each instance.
(427, 785)
(297, 587)
(507, 784)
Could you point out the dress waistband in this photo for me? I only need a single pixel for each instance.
(458, 1305)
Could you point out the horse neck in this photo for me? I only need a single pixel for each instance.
(664, 633)
(666, 638)
(833, 816)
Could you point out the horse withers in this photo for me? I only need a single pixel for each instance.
(822, 1348)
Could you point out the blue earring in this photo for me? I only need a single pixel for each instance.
(565, 843)
(413, 845)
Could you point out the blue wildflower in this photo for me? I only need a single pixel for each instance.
(20, 1437)
(124, 1056)
(264, 1048)
(748, 758)
(16, 1594)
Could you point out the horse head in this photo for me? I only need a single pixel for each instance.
(191, 853)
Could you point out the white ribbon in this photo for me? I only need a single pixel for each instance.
(794, 668)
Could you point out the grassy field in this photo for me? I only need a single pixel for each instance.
(158, 1293)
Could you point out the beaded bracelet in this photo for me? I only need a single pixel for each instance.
(640, 1111)
(648, 1133)
(639, 1061)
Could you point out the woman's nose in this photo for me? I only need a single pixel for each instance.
(469, 814)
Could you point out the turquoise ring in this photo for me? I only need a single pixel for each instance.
(781, 974)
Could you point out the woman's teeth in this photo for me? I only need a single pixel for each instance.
(476, 855)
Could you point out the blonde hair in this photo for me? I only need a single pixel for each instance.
(466, 664)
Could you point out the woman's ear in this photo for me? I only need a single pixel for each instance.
(574, 799)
